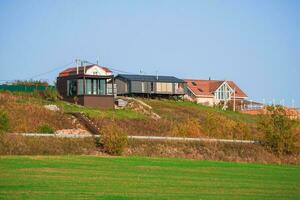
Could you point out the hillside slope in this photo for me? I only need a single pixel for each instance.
(177, 118)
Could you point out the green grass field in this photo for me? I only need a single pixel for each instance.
(90, 177)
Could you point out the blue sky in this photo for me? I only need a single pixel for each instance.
(254, 43)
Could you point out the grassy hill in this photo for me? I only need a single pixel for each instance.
(26, 113)
(178, 118)
(88, 177)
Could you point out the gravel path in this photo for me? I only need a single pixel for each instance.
(144, 138)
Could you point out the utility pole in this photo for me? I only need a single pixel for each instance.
(77, 65)
(83, 64)
(234, 100)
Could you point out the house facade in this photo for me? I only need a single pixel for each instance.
(149, 85)
(213, 92)
(90, 85)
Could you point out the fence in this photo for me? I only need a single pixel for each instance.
(24, 88)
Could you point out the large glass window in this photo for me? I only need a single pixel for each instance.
(95, 85)
(80, 86)
(223, 93)
(92, 87)
(102, 86)
(88, 86)
(164, 87)
(72, 87)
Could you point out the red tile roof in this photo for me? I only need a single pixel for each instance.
(208, 87)
(73, 70)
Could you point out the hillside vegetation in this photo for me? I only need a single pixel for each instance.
(178, 118)
(88, 177)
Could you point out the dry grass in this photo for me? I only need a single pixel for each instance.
(11, 144)
(209, 151)
(26, 114)
(186, 120)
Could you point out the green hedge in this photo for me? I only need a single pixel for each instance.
(24, 88)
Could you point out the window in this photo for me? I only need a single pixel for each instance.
(152, 87)
(72, 87)
(101, 86)
(164, 87)
(223, 93)
(143, 86)
(88, 86)
(95, 86)
(194, 84)
(80, 86)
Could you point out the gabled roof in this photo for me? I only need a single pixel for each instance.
(208, 87)
(150, 78)
(73, 70)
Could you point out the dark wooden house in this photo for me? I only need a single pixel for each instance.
(149, 85)
(90, 85)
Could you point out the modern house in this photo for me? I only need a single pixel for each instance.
(90, 85)
(149, 85)
(213, 92)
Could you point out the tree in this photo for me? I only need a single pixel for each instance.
(277, 129)
(4, 122)
(113, 139)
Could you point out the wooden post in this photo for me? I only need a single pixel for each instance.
(83, 85)
(234, 100)
(113, 85)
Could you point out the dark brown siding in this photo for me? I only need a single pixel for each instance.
(97, 101)
(104, 101)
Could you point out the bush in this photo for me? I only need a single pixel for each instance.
(31, 82)
(217, 126)
(278, 130)
(113, 139)
(45, 128)
(50, 94)
(188, 128)
(4, 122)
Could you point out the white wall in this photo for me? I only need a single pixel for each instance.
(209, 101)
(95, 70)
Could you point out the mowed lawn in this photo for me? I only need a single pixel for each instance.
(91, 177)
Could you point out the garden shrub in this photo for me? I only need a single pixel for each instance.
(4, 122)
(187, 128)
(45, 128)
(278, 130)
(50, 95)
(113, 139)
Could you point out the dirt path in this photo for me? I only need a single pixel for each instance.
(144, 138)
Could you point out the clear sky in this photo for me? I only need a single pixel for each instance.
(254, 43)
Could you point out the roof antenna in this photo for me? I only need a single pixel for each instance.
(97, 61)
(83, 65)
(209, 78)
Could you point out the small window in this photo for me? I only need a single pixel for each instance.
(152, 87)
(194, 84)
